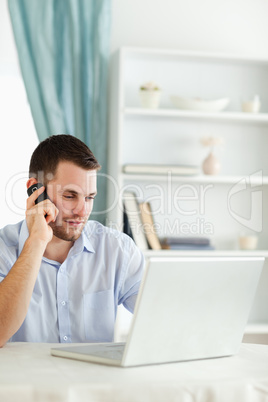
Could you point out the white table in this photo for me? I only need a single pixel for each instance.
(29, 373)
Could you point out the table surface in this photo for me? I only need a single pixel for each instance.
(29, 373)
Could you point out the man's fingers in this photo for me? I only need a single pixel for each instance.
(34, 196)
(51, 212)
(45, 208)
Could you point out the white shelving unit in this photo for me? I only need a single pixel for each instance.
(214, 206)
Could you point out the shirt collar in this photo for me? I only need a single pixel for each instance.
(80, 244)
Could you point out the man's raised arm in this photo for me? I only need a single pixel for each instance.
(17, 287)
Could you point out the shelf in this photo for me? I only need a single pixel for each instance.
(210, 253)
(256, 328)
(148, 53)
(240, 117)
(254, 180)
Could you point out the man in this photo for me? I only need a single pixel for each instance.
(61, 275)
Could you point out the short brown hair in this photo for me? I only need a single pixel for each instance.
(58, 148)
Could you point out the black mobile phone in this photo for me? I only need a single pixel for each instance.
(42, 196)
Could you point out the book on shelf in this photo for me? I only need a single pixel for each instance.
(133, 219)
(186, 243)
(197, 240)
(185, 247)
(126, 225)
(148, 226)
(182, 170)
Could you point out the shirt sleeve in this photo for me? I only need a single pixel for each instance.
(133, 272)
(5, 264)
(8, 248)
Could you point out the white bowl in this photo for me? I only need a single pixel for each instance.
(201, 105)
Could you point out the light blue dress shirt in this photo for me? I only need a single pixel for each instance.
(76, 301)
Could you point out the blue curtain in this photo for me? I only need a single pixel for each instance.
(63, 49)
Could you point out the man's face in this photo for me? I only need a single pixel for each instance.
(72, 190)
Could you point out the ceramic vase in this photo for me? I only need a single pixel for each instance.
(211, 165)
(150, 99)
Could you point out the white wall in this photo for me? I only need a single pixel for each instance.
(232, 26)
(17, 133)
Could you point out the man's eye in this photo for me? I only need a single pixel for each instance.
(68, 197)
(90, 198)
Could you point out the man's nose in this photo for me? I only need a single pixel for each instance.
(80, 207)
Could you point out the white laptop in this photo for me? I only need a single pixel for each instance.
(187, 308)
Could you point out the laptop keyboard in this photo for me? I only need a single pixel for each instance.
(113, 351)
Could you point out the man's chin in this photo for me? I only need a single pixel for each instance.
(69, 234)
(65, 237)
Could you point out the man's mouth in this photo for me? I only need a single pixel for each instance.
(74, 222)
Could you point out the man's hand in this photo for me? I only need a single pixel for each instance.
(38, 217)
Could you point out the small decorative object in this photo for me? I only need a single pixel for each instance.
(211, 165)
(200, 105)
(252, 106)
(150, 95)
(248, 242)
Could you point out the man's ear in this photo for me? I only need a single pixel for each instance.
(30, 182)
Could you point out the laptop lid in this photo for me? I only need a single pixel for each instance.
(191, 308)
(187, 308)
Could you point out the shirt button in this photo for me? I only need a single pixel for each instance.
(63, 303)
(65, 338)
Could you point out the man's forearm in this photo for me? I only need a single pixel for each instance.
(17, 287)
